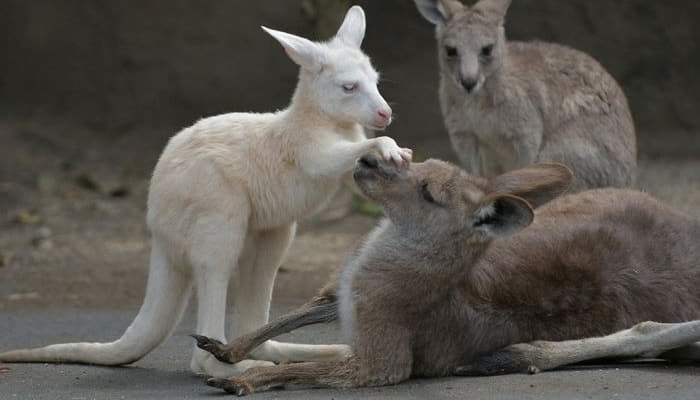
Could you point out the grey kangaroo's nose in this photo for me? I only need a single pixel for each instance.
(369, 161)
(468, 84)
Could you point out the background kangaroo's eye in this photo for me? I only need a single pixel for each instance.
(426, 193)
(487, 50)
(349, 87)
(451, 51)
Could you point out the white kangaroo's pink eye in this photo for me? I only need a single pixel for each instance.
(349, 87)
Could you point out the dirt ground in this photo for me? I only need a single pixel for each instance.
(72, 230)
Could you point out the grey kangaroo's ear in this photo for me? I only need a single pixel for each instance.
(496, 9)
(438, 11)
(536, 183)
(502, 214)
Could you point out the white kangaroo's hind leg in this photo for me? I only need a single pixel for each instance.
(217, 243)
(167, 293)
(253, 295)
(256, 278)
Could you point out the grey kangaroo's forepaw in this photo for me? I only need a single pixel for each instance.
(232, 385)
(214, 347)
(499, 363)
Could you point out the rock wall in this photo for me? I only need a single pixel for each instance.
(114, 65)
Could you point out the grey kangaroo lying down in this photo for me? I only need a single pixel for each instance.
(464, 273)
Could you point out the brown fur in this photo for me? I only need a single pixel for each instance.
(459, 270)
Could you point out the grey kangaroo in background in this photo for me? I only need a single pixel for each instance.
(507, 104)
(463, 267)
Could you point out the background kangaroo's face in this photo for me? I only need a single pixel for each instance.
(339, 76)
(471, 40)
(438, 201)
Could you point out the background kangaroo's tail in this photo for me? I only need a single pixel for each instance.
(167, 293)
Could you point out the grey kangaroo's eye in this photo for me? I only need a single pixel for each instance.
(426, 193)
(451, 51)
(487, 50)
(349, 87)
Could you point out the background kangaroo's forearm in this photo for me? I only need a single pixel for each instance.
(467, 148)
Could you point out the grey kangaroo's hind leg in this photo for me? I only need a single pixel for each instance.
(679, 341)
(323, 308)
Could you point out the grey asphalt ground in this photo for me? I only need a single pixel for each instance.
(164, 374)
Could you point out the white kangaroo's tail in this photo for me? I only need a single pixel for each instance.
(167, 293)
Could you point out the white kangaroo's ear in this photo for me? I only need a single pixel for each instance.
(352, 31)
(303, 52)
(499, 215)
(438, 11)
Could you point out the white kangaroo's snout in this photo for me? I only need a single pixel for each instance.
(370, 106)
(382, 117)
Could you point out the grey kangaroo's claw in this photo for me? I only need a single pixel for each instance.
(206, 343)
(238, 388)
(216, 382)
(213, 346)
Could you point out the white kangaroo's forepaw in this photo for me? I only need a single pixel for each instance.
(407, 154)
(391, 152)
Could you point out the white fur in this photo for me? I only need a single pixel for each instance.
(225, 197)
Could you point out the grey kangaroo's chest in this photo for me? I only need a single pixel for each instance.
(503, 137)
(442, 339)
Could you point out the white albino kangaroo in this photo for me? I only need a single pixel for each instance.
(507, 104)
(463, 267)
(225, 197)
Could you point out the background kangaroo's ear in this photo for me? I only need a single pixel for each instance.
(438, 11)
(536, 183)
(303, 52)
(494, 8)
(352, 30)
(502, 214)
